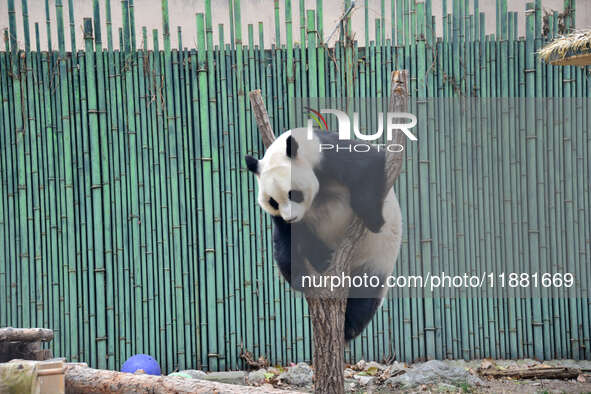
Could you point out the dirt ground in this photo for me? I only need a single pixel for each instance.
(534, 386)
(502, 386)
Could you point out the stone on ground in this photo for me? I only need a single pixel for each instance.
(300, 374)
(433, 372)
(257, 377)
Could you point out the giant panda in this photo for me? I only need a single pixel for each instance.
(312, 195)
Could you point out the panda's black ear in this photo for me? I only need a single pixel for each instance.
(252, 164)
(291, 148)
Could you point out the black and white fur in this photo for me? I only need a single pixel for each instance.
(331, 187)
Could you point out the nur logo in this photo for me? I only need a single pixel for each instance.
(344, 126)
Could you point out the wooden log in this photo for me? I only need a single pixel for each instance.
(327, 307)
(24, 351)
(532, 373)
(10, 334)
(80, 379)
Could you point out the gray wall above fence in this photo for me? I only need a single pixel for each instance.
(182, 13)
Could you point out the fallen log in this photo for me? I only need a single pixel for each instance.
(532, 373)
(81, 379)
(10, 334)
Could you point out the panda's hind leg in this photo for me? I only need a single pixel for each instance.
(359, 313)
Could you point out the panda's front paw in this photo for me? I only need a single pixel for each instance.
(369, 208)
(374, 222)
(320, 260)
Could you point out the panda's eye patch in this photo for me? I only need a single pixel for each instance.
(273, 203)
(296, 195)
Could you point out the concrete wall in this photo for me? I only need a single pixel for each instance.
(182, 13)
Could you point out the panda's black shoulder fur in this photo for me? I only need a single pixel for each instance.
(363, 173)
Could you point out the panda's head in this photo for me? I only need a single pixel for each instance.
(286, 178)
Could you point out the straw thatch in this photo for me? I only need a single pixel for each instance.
(570, 50)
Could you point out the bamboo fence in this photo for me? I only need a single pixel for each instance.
(128, 223)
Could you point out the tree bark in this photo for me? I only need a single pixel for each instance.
(327, 309)
(10, 334)
(328, 322)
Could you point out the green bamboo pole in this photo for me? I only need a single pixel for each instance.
(243, 149)
(446, 224)
(227, 212)
(48, 26)
(382, 22)
(4, 267)
(162, 204)
(532, 187)
(312, 55)
(70, 108)
(301, 305)
(101, 199)
(553, 210)
(542, 176)
(207, 168)
(131, 10)
(59, 16)
(20, 130)
(266, 258)
(234, 287)
(289, 62)
(125, 26)
(302, 23)
(177, 186)
(122, 290)
(27, 36)
(399, 22)
(133, 338)
(366, 24)
(72, 28)
(217, 201)
(109, 24)
(11, 217)
(94, 182)
(145, 195)
(252, 80)
(174, 356)
(64, 167)
(277, 24)
(31, 170)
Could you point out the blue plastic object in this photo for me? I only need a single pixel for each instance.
(141, 361)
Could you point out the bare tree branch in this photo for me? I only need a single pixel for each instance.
(398, 103)
(262, 118)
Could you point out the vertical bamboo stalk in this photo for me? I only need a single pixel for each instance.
(72, 29)
(216, 169)
(131, 10)
(289, 63)
(302, 23)
(95, 180)
(27, 36)
(48, 26)
(109, 24)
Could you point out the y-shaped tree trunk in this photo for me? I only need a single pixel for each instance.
(327, 309)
